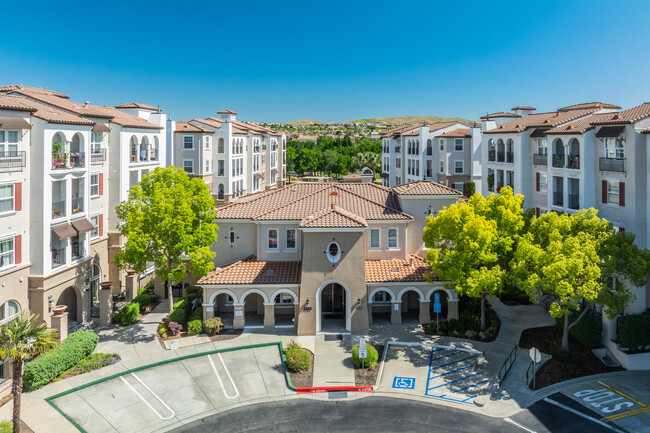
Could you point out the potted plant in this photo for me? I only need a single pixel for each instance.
(58, 310)
(490, 181)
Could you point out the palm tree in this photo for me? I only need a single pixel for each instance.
(368, 159)
(21, 339)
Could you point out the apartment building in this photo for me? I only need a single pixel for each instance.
(234, 158)
(326, 257)
(446, 152)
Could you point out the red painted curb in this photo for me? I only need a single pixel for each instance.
(322, 389)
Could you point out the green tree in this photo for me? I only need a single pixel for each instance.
(168, 219)
(367, 159)
(471, 243)
(20, 340)
(470, 188)
(561, 255)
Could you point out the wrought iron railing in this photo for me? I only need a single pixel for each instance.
(12, 160)
(507, 365)
(97, 156)
(540, 159)
(610, 164)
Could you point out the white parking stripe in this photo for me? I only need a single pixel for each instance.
(519, 425)
(219, 378)
(152, 393)
(580, 414)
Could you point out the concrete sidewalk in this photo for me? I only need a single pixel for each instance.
(333, 361)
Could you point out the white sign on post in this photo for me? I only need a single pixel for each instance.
(209, 309)
(535, 355)
(239, 311)
(363, 352)
(173, 345)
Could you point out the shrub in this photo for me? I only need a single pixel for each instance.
(470, 335)
(180, 312)
(94, 361)
(49, 366)
(298, 359)
(144, 300)
(193, 292)
(194, 327)
(197, 315)
(371, 359)
(128, 314)
(587, 331)
(174, 328)
(148, 289)
(162, 331)
(213, 325)
(634, 330)
(6, 427)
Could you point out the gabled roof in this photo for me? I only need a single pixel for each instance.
(580, 126)
(460, 132)
(210, 121)
(589, 105)
(126, 120)
(189, 128)
(251, 271)
(226, 112)
(421, 187)
(13, 87)
(500, 115)
(137, 105)
(412, 269)
(334, 217)
(440, 125)
(630, 115)
(42, 111)
(15, 103)
(538, 120)
(523, 107)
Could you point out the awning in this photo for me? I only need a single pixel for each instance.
(100, 127)
(610, 131)
(14, 123)
(64, 231)
(384, 175)
(274, 170)
(82, 225)
(539, 132)
(257, 175)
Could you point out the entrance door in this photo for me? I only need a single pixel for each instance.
(333, 301)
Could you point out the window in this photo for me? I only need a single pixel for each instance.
(613, 192)
(6, 198)
(231, 237)
(333, 252)
(6, 252)
(284, 298)
(272, 239)
(96, 142)
(9, 310)
(188, 165)
(614, 148)
(207, 166)
(542, 148)
(458, 186)
(188, 142)
(459, 144)
(207, 142)
(94, 185)
(291, 239)
(256, 163)
(94, 220)
(442, 144)
(381, 297)
(459, 167)
(543, 182)
(442, 166)
(398, 162)
(392, 238)
(8, 143)
(374, 238)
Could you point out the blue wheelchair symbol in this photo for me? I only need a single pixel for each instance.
(404, 382)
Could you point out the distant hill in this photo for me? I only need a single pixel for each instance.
(305, 122)
(409, 119)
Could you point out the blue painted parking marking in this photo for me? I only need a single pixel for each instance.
(470, 386)
(445, 356)
(404, 382)
(454, 381)
(444, 391)
(450, 363)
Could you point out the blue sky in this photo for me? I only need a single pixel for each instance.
(332, 60)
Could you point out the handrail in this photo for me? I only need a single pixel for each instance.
(529, 373)
(507, 365)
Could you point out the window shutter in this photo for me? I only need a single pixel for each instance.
(18, 249)
(101, 183)
(604, 195)
(18, 196)
(538, 181)
(464, 188)
(537, 212)
(101, 224)
(621, 193)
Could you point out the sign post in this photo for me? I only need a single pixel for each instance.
(437, 308)
(363, 353)
(536, 357)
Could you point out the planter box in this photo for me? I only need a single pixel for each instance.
(636, 361)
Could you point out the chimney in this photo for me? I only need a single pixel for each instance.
(86, 103)
(523, 110)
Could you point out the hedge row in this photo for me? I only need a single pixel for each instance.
(634, 330)
(49, 366)
(128, 314)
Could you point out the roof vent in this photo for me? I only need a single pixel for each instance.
(618, 116)
(395, 270)
(334, 194)
(571, 127)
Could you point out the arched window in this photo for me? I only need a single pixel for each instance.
(9, 311)
(134, 148)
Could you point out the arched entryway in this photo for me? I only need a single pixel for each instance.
(253, 310)
(333, 308)
(443, 298)
(95, 279)
(223, 305)
(69, 298)
(284, 310)
(410, 307)
(380, 307)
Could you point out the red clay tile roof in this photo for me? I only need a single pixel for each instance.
(137, 105)
(421, 187)
(413, 133)
(588, 105)
(63, 103)
(538, 120)
(440, 125)
(126, 120)
(411, 270)
(210, 121)
(301, 200)
(399, 130)
(646, 131)
(251, 271)
(523, 107)
(189, 128)
(500, 114)
(580, 126)
(13, 87)
(226, 112)
(630, 115)
(460, 132)
(334, 217)
(42, 111)
(15, 103)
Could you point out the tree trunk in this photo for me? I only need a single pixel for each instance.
(168, 289)
(16, 391)
(482, 312)
(565, 333)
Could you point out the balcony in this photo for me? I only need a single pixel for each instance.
(540, 159)
(429, 173)
(510, 157)
(65, 161)
(558, 160)
(429, 151)
(58, 209)
(501, 156)
(98, 156)
(58, 257)
(77, 205)
(558, 199)
(573, 162)
(220, 172)
(609, 164)
(491, 155)
(12, 161)
(574, 201)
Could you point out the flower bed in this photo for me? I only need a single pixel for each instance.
(94, 361)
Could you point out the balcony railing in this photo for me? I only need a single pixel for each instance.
(77, 205)
(429, 173)
(220, 172)
(64, 161)
(574, 201)
(12, 161)
(558, 199)
(501, 156)
(58, 209)
(573, 162)
(609, 164)
(98, 156)
(558, 160)
(58, 257)
(510, 157)
(491, 155)
(540, 159)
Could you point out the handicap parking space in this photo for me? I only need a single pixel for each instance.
(166, 395)
(443, 372)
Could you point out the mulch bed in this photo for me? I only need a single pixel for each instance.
(303, 379)
(370, 373)
(578, 362)
(225, 334)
